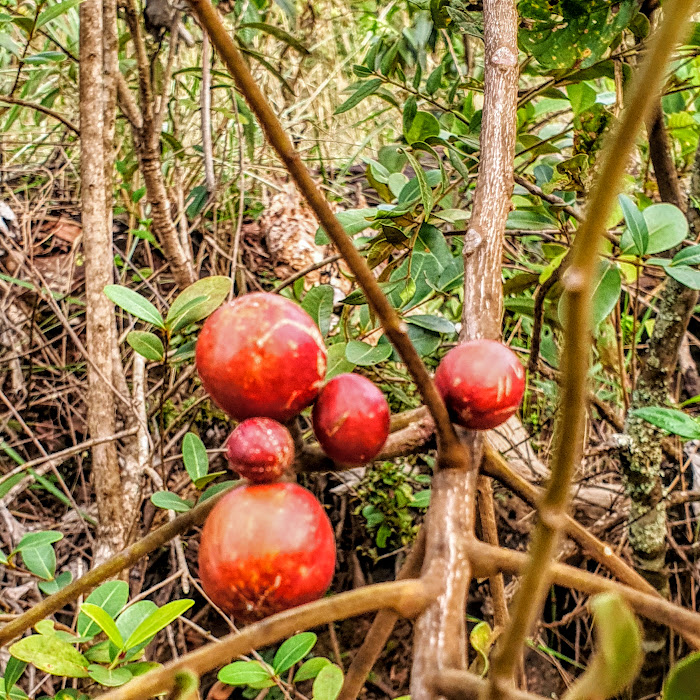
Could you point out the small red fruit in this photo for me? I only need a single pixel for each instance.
(482, 382)
(266, 548)
(261, 355)
(260, 449)
(351, 419)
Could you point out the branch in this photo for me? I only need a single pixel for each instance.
(381, 629)
(487, 560)
(396, 330)
(462, 685)
(440, 633)
(40, 108)
(407, 598)
(578, 282)
(111, 567)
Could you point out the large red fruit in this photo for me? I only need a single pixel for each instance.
(351, 419)
(482, 383)
(260, 449)
(266, 548)
(261, 355)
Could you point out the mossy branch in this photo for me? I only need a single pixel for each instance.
(578, 282)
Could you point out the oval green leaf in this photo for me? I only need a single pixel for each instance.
(134, 303)
(293, 650)
(155, 622)
(365, 355)
(243, 673)
(328, 683)
(146, 344)
(170, 501)
(310, 669)
(110, 678)
(211, 292)
(194, 455)
(671, 420)
(682, 681)
(104, 622)
(111, 597)
(51, 655)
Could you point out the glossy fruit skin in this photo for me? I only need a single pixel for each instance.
(260, 450)
(266, 548)
(351, 419)
(482, 383)
(261, 355)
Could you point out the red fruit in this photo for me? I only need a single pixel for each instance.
(351, 419)
(266, 548)
(260, 449)
(261, 355)
(482, 383)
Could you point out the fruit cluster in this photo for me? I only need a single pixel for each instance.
(269, 545)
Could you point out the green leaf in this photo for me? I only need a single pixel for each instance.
(194, 455)
(38, 539)
(618, 653)
(55, 585)
(671, 420)
(426, 193)
(51, 655)
(310, 669)
(481, 639)
(13, 671)
(424, 126)
(636, 223)
(421, 499)
(293, 650)
(424, 341)
(432, 84)
(363, 354)
(688, 276)
(9, 482)
(109, 677)
(218, 488)
(160, 619)
(364, 90)
(337, 362)
(437, 324)
(104, 622)
(318, 303)
(170, 501)
(207, 479)
(328, 683)
(40, 560)
(111, 597)
(667, 228)
(243, 673)
(134, 615)
(134, 304)
(55, 11)
(606, 293)
(210, 292)
(682, 680)
(14, 693)
(410, 109)
(687, 256)
(278, 33)
(146, 344)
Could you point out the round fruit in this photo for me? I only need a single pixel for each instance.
(351, 419)
(266, 548)
(260, 449)
(481, 382)
(261, 355)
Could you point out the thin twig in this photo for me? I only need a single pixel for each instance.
(40, 108)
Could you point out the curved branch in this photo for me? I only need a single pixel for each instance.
(407, 598)
(40, 108)
(109, 568)
(453, 453)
